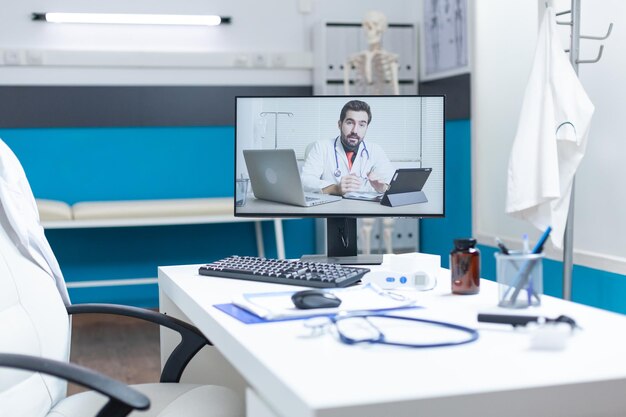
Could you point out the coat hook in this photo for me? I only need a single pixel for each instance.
(591, 61)
(608, 33)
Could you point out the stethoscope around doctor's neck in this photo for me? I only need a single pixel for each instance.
(337, 170)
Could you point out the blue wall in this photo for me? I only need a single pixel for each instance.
(589, 286)
(81, 164)
(437, 234)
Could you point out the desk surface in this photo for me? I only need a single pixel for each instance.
(498, 375)
(432, 207)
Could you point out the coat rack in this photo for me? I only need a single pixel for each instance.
(574, 57)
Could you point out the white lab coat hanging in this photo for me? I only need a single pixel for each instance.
(551, 137)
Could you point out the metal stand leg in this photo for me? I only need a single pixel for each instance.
(258, 231)
(280, 239)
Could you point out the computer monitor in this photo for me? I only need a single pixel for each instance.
(374, 156)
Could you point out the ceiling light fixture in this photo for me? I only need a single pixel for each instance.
(132, 19)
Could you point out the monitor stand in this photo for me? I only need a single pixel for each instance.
(341, 245)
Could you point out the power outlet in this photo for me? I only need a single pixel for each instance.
(405, 235)
(259, 60)
(241, 61)
(12, 57)
(279, 61)
(34, 58)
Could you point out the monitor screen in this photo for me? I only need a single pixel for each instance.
(340, 156)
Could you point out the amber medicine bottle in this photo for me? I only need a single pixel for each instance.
(465, 267)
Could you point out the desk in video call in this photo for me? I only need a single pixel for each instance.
(345, 206)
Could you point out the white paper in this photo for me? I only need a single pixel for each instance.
(363, 195)
(369, 297)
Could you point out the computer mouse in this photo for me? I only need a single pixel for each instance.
(308, 299)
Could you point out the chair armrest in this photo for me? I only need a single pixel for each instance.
(192, 340)
(122, 398)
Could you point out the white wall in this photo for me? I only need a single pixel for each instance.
(504, 43)
(213, 55)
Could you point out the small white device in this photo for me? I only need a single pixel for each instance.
(411, 270)
(549, 336)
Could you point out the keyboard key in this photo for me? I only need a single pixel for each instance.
(308, 274)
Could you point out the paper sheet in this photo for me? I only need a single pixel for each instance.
(369, 196)
(369, 297)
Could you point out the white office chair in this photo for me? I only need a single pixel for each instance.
(35, 331)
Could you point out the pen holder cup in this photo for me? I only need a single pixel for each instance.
(241, 191)
(520, 279)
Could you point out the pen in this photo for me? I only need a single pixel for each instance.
(525, 251)
(524, 274)
(542, 241)
(525, 247)
(502, 247)
(505, 251)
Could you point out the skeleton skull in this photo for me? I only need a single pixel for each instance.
(374, 24)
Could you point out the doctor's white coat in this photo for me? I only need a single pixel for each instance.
(327, 157)
(551, 137)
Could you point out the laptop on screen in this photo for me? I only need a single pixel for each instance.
(274, 176)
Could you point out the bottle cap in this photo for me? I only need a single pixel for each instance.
(464, 244)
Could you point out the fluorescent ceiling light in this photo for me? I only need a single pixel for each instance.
(132, 19)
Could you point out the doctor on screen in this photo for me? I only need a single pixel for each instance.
(348, 163)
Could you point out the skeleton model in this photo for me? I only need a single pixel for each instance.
(375, 70)
(375, 73)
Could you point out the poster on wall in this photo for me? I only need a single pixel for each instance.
(444, 46)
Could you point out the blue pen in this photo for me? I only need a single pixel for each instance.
(529, 288)
(526, 250)
(542, 241)
(524, 272)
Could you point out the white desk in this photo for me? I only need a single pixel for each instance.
(255, 207)
(291, 375)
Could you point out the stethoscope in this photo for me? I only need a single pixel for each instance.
(337, 170)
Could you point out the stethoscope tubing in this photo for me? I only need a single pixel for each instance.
(337, 170)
